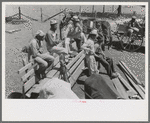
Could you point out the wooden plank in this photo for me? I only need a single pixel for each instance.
(126, 84)
(142, 88)
(56, 61)
(24, 78)
(76, 74)
(119, 87)
(130, 73)
(72, 68)
(74, 59)
(51, 73)
(12, 31)
(124, 69)
(76, 64)
(28, 66)
(29, 84)
(138, 90)
(37, 87)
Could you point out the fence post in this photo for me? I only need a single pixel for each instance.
(19, 13)
(41, 15)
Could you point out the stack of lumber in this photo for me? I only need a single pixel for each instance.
(133, 83)
(131, 88)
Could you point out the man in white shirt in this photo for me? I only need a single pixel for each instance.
(88, 46)
(74, 31)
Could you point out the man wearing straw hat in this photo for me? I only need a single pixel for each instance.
(43, 59)
(74, 31)
(88, 46)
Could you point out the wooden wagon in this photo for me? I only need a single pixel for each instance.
(118, 30)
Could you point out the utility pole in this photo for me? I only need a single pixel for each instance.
(80, 11)
(93, 9)
(19, 13)
(103, 8)
(119, 10)
(41, 15)
(113, 8)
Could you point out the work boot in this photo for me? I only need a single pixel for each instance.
(114, 76)
(37, 74)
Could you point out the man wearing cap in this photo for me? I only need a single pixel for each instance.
(52, 40)
(74, 31)
(132, 26)
(88, 46)
(43, 59)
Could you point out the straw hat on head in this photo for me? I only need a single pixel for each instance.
(75, 18)
(53, 22)
(40, 33)
(94, 32)
(133, 17)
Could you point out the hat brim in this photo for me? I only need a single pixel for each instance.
(53, 23)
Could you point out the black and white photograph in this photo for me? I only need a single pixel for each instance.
(81, 52)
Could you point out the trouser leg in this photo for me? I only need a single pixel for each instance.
(83, 38)
(67, 44)
(49, 58)
(59, 50)
(105, 64)
(42, 65)
(110, 61)
(91, 62)
(78, 43)
(130, 31)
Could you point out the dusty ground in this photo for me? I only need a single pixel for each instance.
(15, 41)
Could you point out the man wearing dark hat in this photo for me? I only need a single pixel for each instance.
(132, 27)
(43, 59)
(74, 31)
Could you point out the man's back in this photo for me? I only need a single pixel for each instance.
(97, 87)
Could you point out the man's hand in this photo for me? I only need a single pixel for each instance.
(41, 50)
(57, 42)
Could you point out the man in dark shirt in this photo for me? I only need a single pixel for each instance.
(105, 61)
(132, 27)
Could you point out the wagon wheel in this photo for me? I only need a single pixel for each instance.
(134, 44)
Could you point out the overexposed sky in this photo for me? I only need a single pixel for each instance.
(34, 10)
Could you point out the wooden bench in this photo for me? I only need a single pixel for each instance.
(31, 85)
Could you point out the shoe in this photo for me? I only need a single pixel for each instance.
(37, 75)
(114, 76)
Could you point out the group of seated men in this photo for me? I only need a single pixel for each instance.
(92, 45)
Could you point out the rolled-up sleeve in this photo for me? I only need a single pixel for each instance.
(79, 26)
